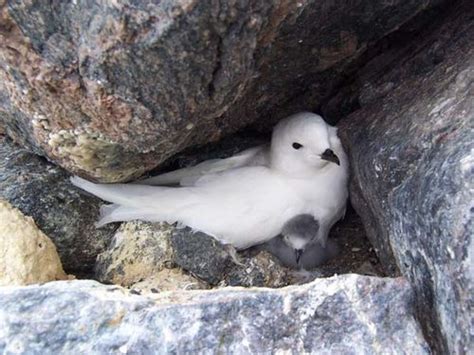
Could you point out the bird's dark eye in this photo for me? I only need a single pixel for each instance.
(297, 146)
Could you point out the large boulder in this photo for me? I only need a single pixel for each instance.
(42, 190)
(109, 90)
(341, 315)
(411, 149)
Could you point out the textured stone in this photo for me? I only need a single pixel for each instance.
(138, 250)
(411, 149)
(261, 270)
(43, 191)
(109, 90)
(341, 315)
(158, 255)
(201, 255)
(169, 280)
(27, 255)
(154, 253)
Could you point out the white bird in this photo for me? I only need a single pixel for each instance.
(246, 199)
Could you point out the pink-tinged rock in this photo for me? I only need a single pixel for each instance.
(108, 90)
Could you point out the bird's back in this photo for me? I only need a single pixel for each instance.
(243, 207)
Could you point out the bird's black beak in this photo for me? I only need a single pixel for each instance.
(298, 253)
(330, 156)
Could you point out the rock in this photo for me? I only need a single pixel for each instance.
(158, 255)
(138, 251)
(27, 255)
(201, 255)
(346, 314)
(110, 90)
(67, 215)
(367, 269)
(261, 270)
(410, 147)
(169, 280)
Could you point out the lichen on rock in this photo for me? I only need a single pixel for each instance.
(138, 250)
(148, 255)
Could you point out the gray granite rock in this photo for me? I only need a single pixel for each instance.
(341, 315)
(260, 269)
(156, 255)
(201, 255)
(217, 264)
(411, 149)
(43, 191)
(111, 89)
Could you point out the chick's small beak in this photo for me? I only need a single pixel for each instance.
(329, 155)
(298, 253)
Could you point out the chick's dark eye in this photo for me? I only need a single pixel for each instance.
(297, 146)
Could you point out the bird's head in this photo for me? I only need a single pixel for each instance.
(303, 143)
(298, 232)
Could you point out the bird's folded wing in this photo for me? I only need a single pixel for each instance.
(189, 176)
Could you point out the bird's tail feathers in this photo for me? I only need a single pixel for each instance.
(122, 194)
(129, 202)
(118, 213)
(108, 214)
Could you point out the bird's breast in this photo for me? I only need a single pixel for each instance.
(322, 193)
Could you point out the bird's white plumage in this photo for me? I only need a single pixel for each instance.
(246, 199)
(188, 176)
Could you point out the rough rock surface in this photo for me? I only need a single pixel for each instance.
(137, 251)
(110, 89)
(200, 254)
(156, 255)
(141, 257)
(43, 191)
(411, 150)
(346, 314)
(169, 280)
(262, 269)
(27, 255)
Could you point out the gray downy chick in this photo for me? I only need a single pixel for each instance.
(297, 246)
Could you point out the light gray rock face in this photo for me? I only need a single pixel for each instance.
(43, 191)
(341, 315)
(111, 89)
(411, 148)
